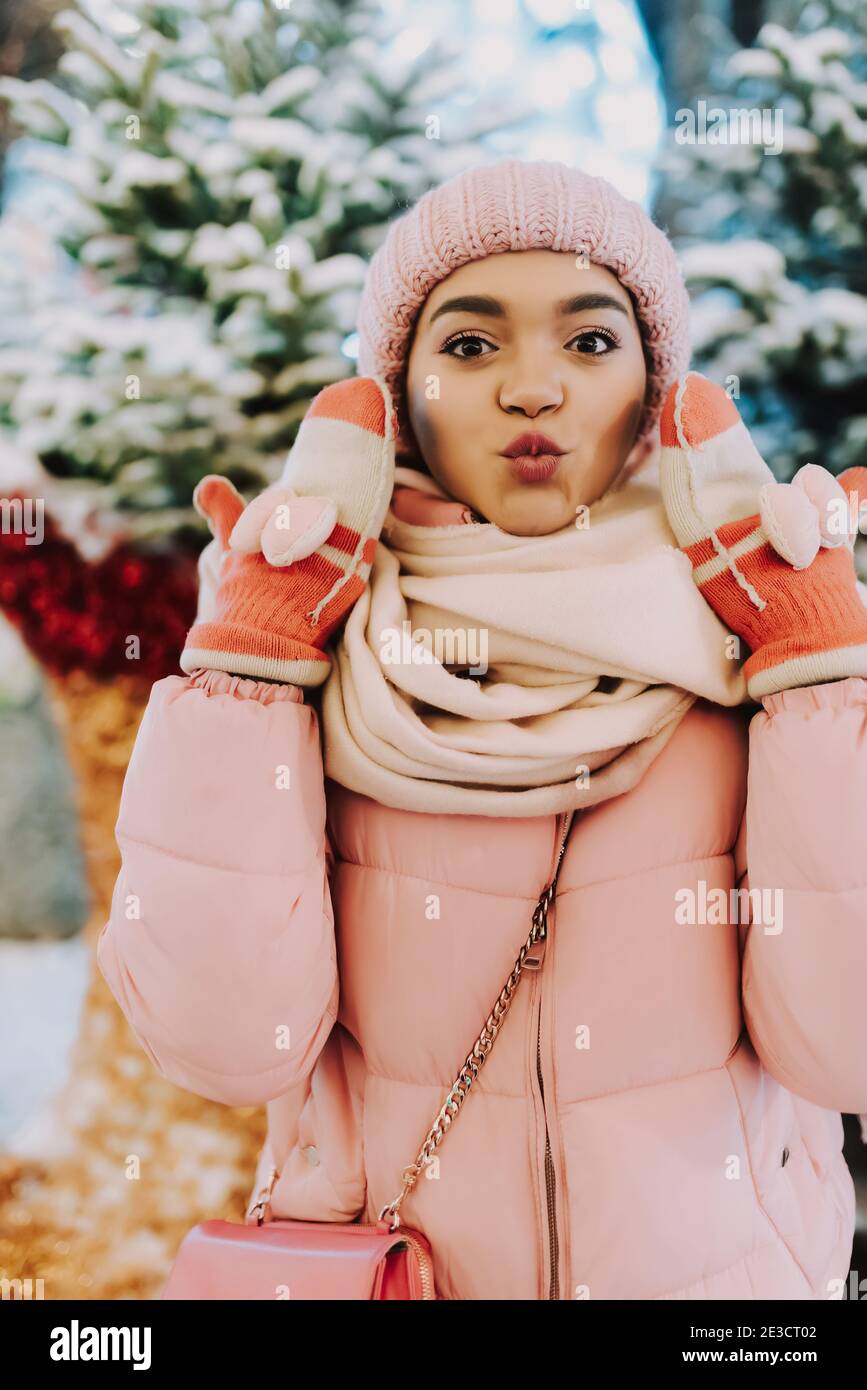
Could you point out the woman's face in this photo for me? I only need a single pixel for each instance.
(527, 342)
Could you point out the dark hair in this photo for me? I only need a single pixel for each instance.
(411, 458)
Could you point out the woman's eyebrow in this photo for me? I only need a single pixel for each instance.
(487, 304)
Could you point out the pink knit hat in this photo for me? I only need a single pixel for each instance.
(520, 205)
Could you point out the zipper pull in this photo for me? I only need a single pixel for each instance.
(534, 958)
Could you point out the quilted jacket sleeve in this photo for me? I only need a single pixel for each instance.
(804, 843)
(220, 945)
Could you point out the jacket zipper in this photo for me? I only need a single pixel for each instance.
(534, 962)
(550, 1179)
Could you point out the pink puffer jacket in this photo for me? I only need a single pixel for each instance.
(304, 946)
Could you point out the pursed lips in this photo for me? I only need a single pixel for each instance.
(531, 446)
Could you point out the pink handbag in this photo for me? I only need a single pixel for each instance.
(301, 1259)
(275, 1258)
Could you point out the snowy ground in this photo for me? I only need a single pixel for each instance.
(42, 988)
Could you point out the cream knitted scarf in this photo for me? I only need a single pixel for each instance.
(496, 675)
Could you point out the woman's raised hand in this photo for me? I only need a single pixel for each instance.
(774, 560)
(293, 562)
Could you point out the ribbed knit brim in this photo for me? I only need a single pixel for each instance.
(520, 205)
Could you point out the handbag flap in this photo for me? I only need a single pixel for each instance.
(291, 1259)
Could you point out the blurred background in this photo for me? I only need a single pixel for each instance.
(189, 197)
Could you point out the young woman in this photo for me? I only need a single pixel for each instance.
(579, 613)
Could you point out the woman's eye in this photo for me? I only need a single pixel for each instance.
(595, 343)
(470, 340)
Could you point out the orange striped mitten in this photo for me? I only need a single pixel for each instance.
(774, 560)
(294, 561)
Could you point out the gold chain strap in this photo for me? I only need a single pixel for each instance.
(477, 1056)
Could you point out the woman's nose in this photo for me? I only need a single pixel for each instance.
(530, 389)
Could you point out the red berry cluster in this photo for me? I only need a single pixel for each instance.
(79, 616)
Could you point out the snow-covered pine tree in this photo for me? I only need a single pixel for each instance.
(233, 166)
(773, 243)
